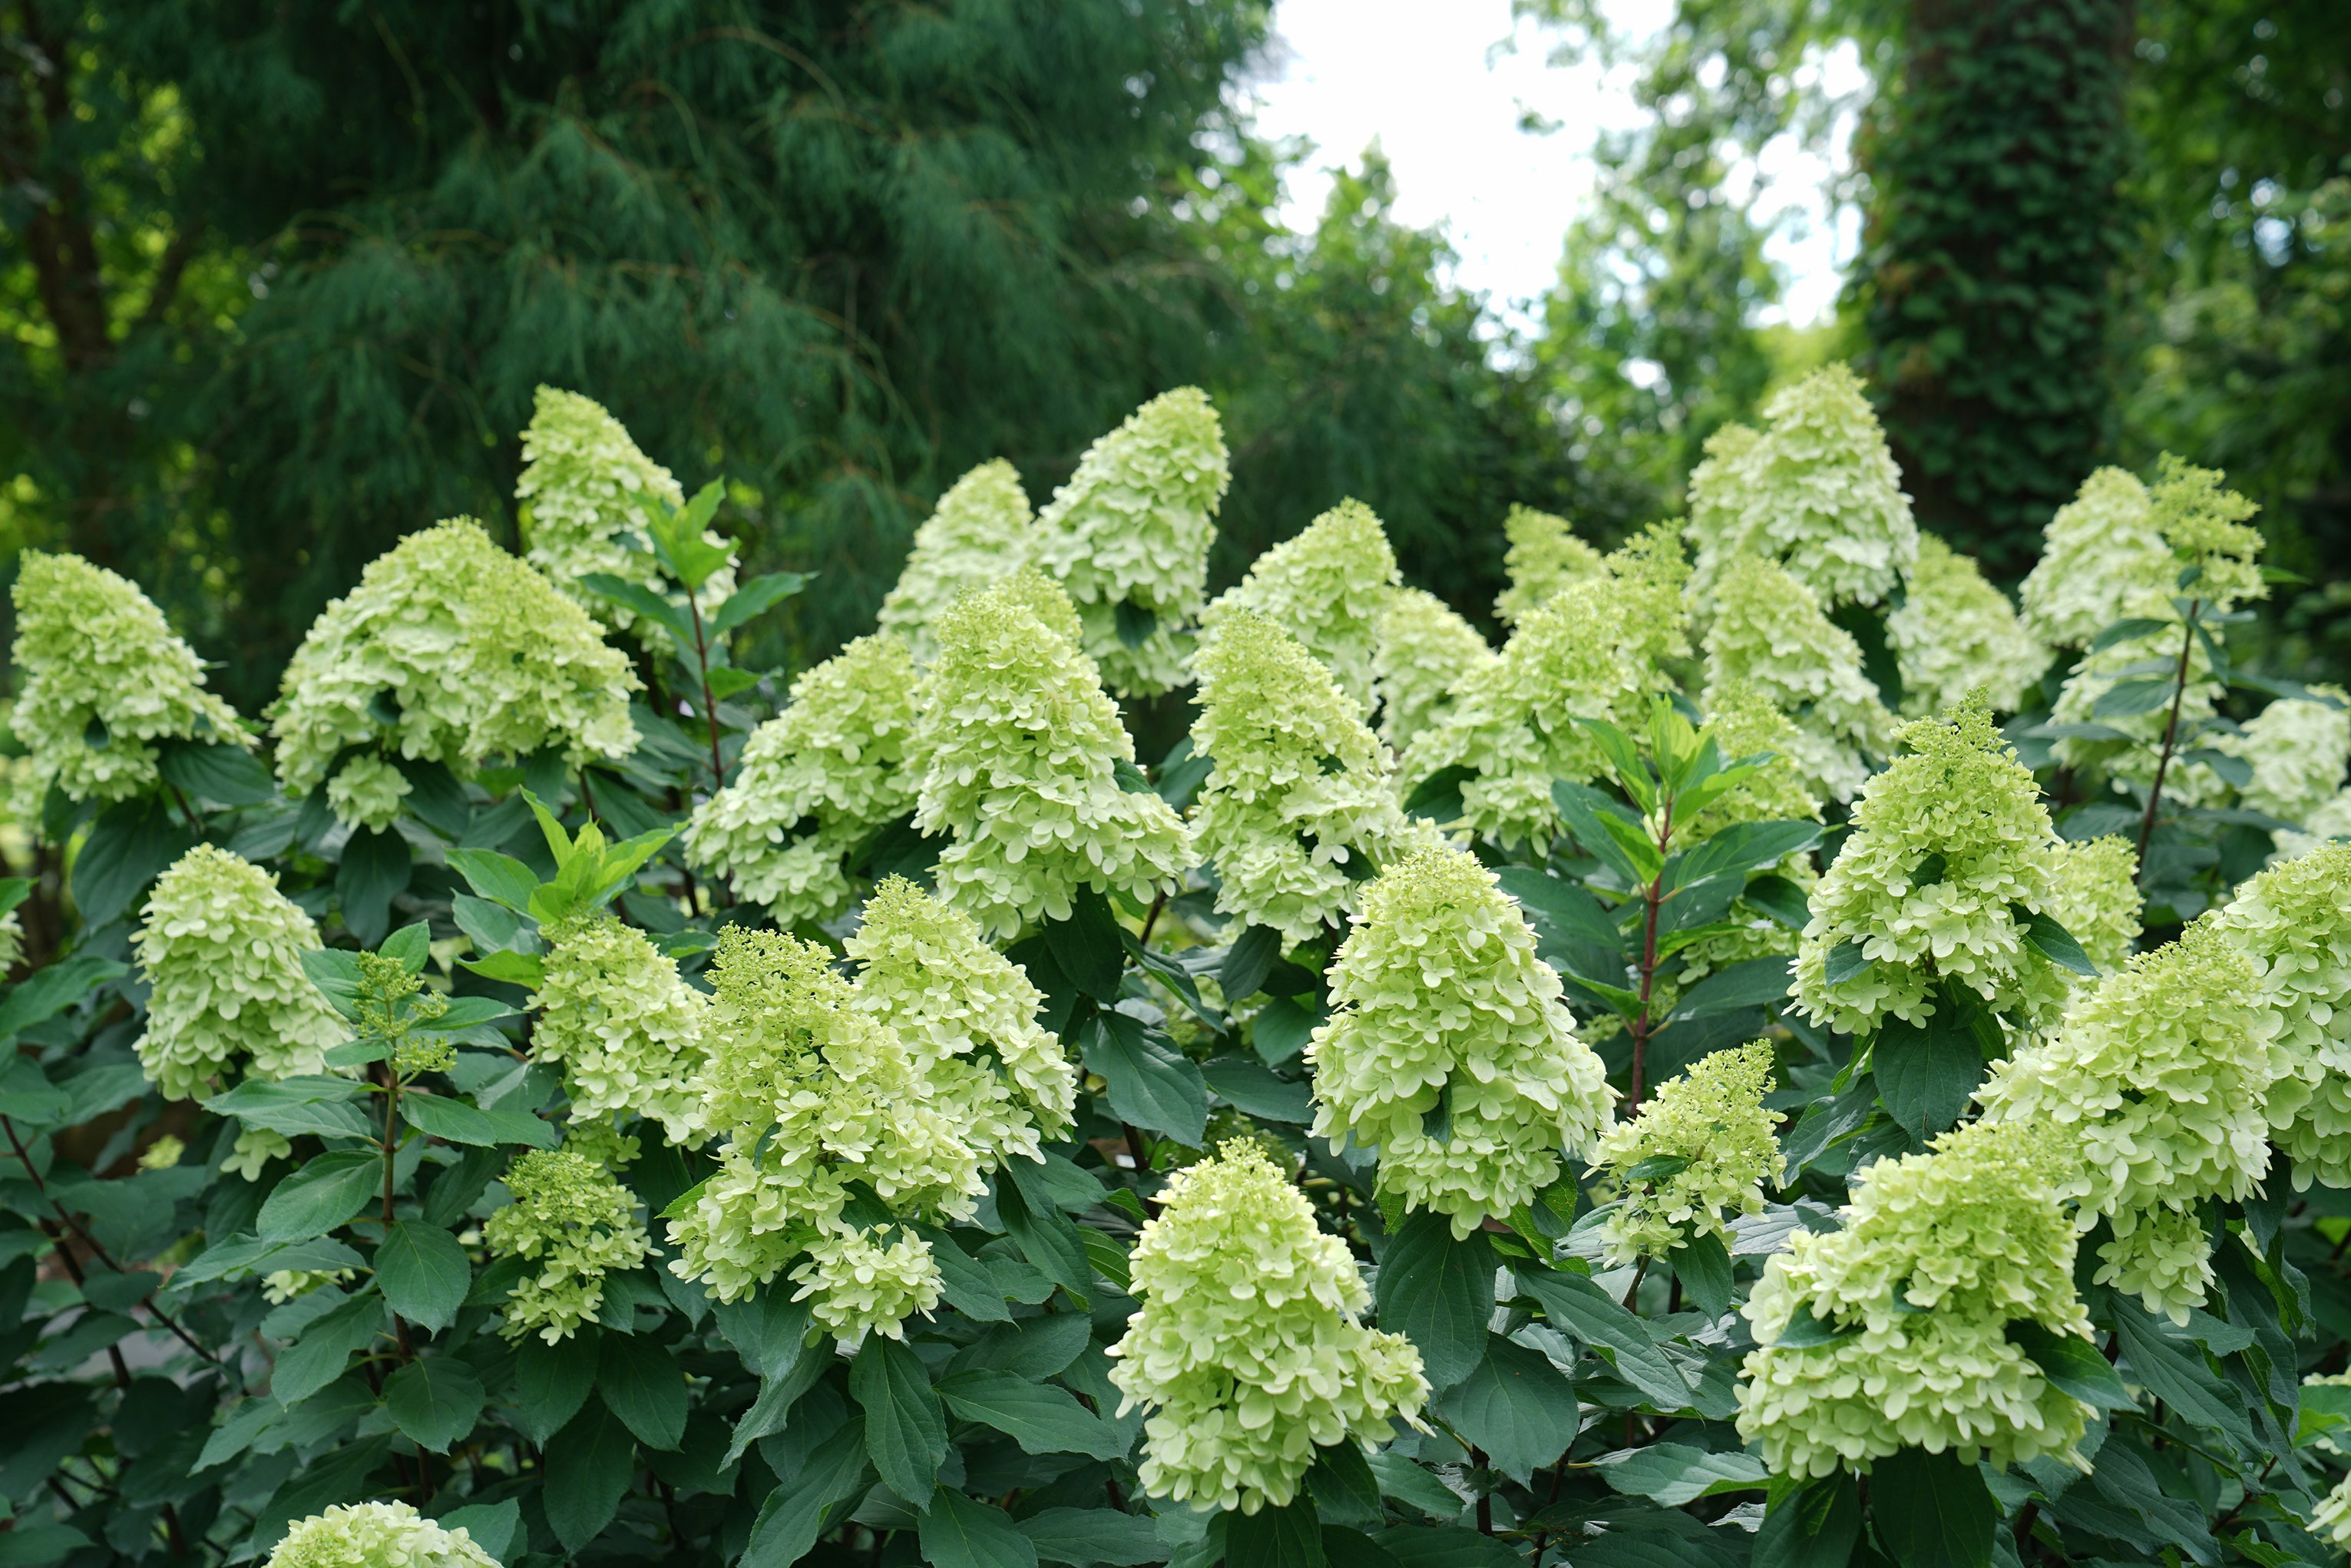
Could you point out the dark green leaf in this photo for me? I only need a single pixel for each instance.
(1047, 1238)
(1343, 1487)
(967, 1287)
(1780, 899)
(2125, 699)
(1272, 1537)
(1926, 1072)
(552, 1380)
(489, 1525)
(645, 602)
(1747, 846)
(319, 1196)
(1566, 908)
(1439, 1292)
(1515, 1404)
(436, 1399)
(1034, 1348)
(1249, 1085)
(1813, 1525)
(2161, 1360)
(1281, 1028)
(1437, 798)
(47, 992)
(1080, 1536)
(1703, 1267)
(1807, 1330)
(128, 846)
(434, 796)
(756, 597)
(1181, 774)
(1248, 961)
(588, 1467)
(317, 1358)
(452, 1121)
(1932, 1510)
(801, 1510)
(1827, 1120)
(905, 1433)
(640, 1383)
(1576, 1306)
(226, 775)
(2046, 936)
(1673, 1474)
(1757, 981)
(1087, 947)
(958, 1532)
(424, 1273)
(375, 871)
(1846, 961)
(1150, 1085)
(2071, 1365)
(2128, 629)
(1038, 1416)
(1135, 622)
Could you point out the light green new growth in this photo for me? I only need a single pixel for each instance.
(1449, 1047)
(1544, 555)
(814, 782)
(1129, 535)
(1769, 632)
(2100, 555)
(1955, 632)
(1326, 587)
(1247, 1349)
(449, 651)
(626, 1030)
(1299, 810)
(1425, 653)
(1938, 1254)
(981, 531)
(1019, 747)
(376, 1535)
(1744, 725)
(1711, 1121)
(102, 677)
(2292, 921)
(573, 1224)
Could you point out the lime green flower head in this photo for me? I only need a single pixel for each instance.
(1248, 1348)
(625, 1028)
(2161, 1073)
(584, 488)
(1299, 810)
(1769, 632)
(1129, 535)
(1449, 1049)
(1744, 724)
(12, 941)
(2330, 1521)
(1544, 555)
(2217, 552)
(376, 1535)
(1020, 749)
(1940, 1253)
(1955, 632)
(2096, 897)
(1425, 653)
(223, 949)
(1708, 1145)
(2292, 921)
(814, 782)
(968, 1016)
(450, 650)
(1326, 587)
(982, 530)
(2100, 555)
(2297, 749)
(102, 677)
(573, 1224)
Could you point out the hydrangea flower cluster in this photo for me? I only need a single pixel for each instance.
(1712, 1120)
(2297, 749)
(1544, 555)
(102, 677)
(1020, 748)
(968, 1015)
(1326, 587)
(1716, 494)
(1299, 810)
(450, 649)
(2099, 555)
(376, 1535)
(1770, 632)
(1129, 535)
(1448, 1048)
(2330, 1521)
(2096, 897)
(810, 1093)
(2160, 1076)
(1954, 632)
(2329, 820)
(1818, 493)
(1426, 653)
(582, 481)
(2292, 921)
(1940, 1253)
(1950, 856)
(981, 530)
(573, 1224)
(625, 1028)
(815, 781)
(1248, 1348)
(223, 949)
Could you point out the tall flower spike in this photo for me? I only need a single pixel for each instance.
(2161, 1072)
(102, 679)
(1716, 495)
(814, 782)
(1325, 587)
(982, 530)
(1449, 1049)
(1021, 748)
(1938, 1254)
(1248, 1349)
(968, 1016)
(2297, 749)
(1711, 1119)
(1129, 535)
(625, 1028)
(2099, 555)
(450, 650)
(1544, 555)
(1425, 653)
(2096, 897)
(571, 1224)
(1770, 632)
(579, 489)
(1955, 632)
(2292, 921)
(1299, 810)
(376, 1535)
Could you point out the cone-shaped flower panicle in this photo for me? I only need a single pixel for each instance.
(1955, 632)
(1770, 632)
(1326, 587)
(1544, 555)
(571, 1224)
(2297, 748)
(2099, 556)
(981, 530)
(1716, 491)
(1449, 1049)
(1711, 1121)
(2096, 897)
(1248, 1348)
(2292, 921)
(376, 1535)
(627, 1030)
(1425, 653)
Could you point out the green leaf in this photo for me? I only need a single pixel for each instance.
(771, 1412)
(1439, 1292)
(318, 1357)
(1624, 759)
(2126, 699)
(589, 1464)
(905, 1433)
(1150, 1085)
(500, 878)
(1047, 1238)
(801, 1510)
(489, 1525)
(514, 968)
(240, 1258)
(1846, 961)
(635, 596)
(1703, 1267)
(966, 1286)
(1576, 1306)
(226, 775)
(1673, 1474)
(436, 1399)
(1281, 1028)
(552, 1380)
(452, 1121)
(410, 946)
(1634, 840)
(1566, 908)
(1343, 1487)
(1087, 946)
(1931, 1510)
(1081, 1536)
(2129, 629)
(1586, 812)
(128, 846)
(308, 1104)
(375, 871)
(1748, 846)
(1272, 1537)
(2071, 1365)
(641, 1383)
(1515, 1404)
(1778, 898)
(424, 1273)
(1756, 982)
(1181, 774)
(1135, 622)
(1926, 1072)
(1250, 1086)
(1248, 962)
(2157, 1357)
(2046, 936)
(1814, 1525)
(756, 597)
(1038, 1416)
(47, 992)
(958, 1532)
(319, 1196)
(1437, 798)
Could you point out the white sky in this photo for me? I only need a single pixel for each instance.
(1428, 80)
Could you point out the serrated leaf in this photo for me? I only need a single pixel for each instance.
(315, 1104)
(905, 1431)
(1673, 1474)
(640, 1383)
(319, 1196)
(551, 1382)
(1846, 961)
(1926, 1072)
(756, 597)
(1756, 982)
(1248, 962)
(453, 1121)
(318, 1357)
(1439, 1292)
(1087, 946)
(2046, 936)
(424, 1273)
(1040, 1417)
(47, 992)
(1515, 1404)
(801, 1510)
(1290, 1537)
(588, 1467)
(2071, 1365)
(1149, 1085)
(959, 1533)
(1081, 1536)
(1576, 1306)
(499, 878)
(436, 1399)
(1931, 1510)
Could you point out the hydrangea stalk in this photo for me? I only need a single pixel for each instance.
(1326, 587)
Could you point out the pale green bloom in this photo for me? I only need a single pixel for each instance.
(102, 677)
(1955, 632)
(1770, 632)
(1248, 1349)
(2297, 749)
(1326, 587)
(2099, 555)
(2327, 821)
(1938, 1254)
(223, 949)
(981, 531)
(1449, 1049)
(814, 783)
(376, 1535)
(451, 651)
(2160, 1075)
(12, 941)
(280, 1286)
(625, 1028)
(1712, 1119)
(1716, 494)
(1425, 654)
(2096, 897)
(163, 1154)
(1021, 748)
(573, 1224)
(2293, 922)
(367, 793)
(1299, 809)
(1544, 555)
(1132, 528)
(2204, 524)
(2330, 1522)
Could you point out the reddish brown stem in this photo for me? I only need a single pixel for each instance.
(1652, 897)
(2170, 733)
